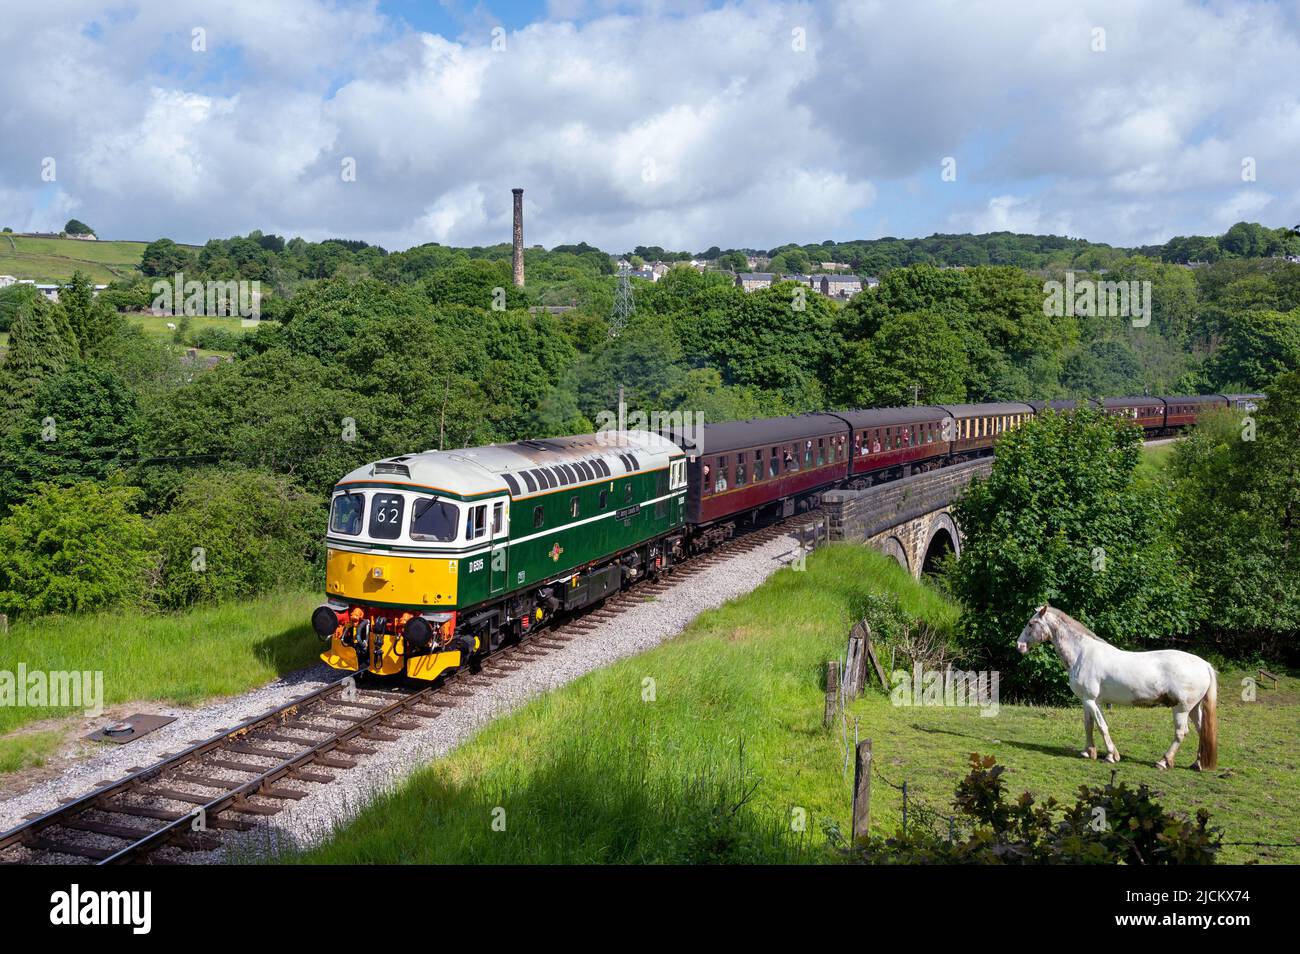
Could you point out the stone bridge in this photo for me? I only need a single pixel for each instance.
(910, 519)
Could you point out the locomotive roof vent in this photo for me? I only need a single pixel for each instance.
(391, 467)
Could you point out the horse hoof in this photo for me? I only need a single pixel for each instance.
(1162, 765)
(1196, 766)
(1112, 756)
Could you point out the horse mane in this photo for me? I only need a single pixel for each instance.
(1078, 627)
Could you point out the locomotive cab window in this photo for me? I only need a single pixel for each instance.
(604, 499)
(538, 517)
(346, 514)
(476, 522)
(573, 507)
(433, 519)
(386, 516)
(627, 492)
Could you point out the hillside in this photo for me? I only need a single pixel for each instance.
(55, 259)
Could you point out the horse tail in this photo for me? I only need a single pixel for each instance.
(1208, 755)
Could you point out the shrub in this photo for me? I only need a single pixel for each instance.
(214, 338)
(73, 549)
(233, 533)
(1107, 824)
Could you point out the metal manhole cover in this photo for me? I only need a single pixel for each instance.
(130, 728)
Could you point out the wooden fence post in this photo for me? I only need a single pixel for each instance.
(832, 691)
(862, 791)
(855, 660)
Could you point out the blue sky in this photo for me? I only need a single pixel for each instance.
(666, 122)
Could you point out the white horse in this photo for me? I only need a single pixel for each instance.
(1099, 672)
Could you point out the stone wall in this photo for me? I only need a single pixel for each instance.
(903, 517)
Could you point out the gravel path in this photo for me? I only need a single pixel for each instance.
(307, 821)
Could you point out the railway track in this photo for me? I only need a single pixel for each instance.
(226, 782)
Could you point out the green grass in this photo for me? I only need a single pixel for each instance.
(1154, 460)
(27, 750)
(181, 658)
(595, 773)
(54, 260)
(156, 325)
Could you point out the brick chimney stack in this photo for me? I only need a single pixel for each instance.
(518, 259)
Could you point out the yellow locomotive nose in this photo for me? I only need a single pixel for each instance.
(412, 582)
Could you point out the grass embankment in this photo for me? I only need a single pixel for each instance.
(54, 259)
(596, 772)
(181, 658)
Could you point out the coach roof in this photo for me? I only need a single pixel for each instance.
(885, 416)
(985, 410)
(733, 435)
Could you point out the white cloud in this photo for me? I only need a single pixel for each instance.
(663, 123)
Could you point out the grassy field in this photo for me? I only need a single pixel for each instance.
(596, 772)
(54, 260)
(156, 325)
(182, 658)
(1154, 460)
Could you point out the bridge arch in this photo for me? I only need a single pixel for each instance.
(892, 546)
(944, 539)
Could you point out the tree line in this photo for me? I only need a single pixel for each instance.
(368, 354)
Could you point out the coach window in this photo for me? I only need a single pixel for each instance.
(807, 453)
(573, 507)
(774, 465)
(538, 518)
(740, 469)
(821, 451)
(345, 516)
(386, 516)
(720, 474)
(758, 466)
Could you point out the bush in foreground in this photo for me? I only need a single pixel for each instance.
(1107, 824)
